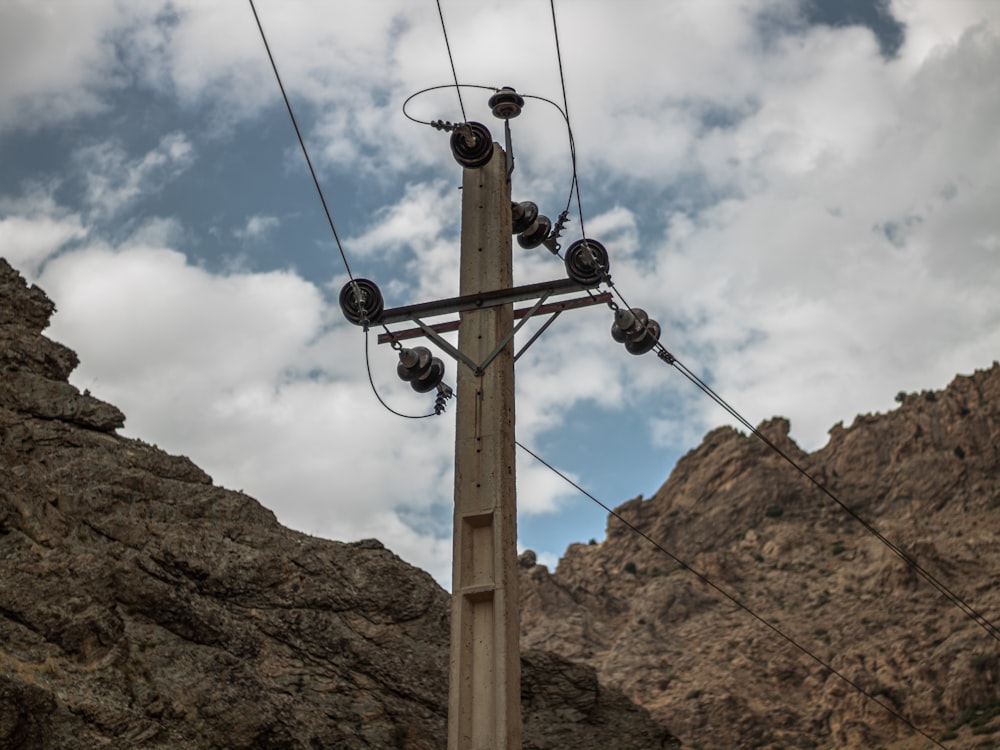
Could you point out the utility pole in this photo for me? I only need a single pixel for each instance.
(484, 692)
(484, 705)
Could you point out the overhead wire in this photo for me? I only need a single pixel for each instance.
(662, 353)
(739, 604)
(562, 81)
(451, 61)
(972, 613)
(302, 143)
(574, 183)
(326, 207)
(572, 144)
(667, 357)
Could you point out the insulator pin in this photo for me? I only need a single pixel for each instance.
(587, 262)
(361, 302)
(506, 103)
(472, 145)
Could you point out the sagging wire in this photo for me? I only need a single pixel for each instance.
(441, 124)
(723, 592)
(444, 392)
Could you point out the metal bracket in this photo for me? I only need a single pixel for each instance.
(527, 316)
(509, 149)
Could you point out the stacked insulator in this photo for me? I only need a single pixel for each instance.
(531, 227)
(635, 329)
(419, 368)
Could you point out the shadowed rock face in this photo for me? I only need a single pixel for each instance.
(143, 607)
(927, 475)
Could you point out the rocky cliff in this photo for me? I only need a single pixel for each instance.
(143, 607)
(926, 476)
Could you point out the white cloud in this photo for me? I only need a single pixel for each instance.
(113, 179)
(65, 57)
(33, 229)
(257, 227)
(853, 265)
(814, 226)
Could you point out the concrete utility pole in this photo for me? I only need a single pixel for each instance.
(484, 704)
(484, 692)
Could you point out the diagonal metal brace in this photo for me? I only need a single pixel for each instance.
(506, 339)
(446, 345)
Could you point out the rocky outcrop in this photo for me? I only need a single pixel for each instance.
(926, 476)
(143, 607)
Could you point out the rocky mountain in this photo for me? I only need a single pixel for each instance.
(926, 476)
(141, 606)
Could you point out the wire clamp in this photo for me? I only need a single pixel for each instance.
(552, 241)
(666, 356)
(445, 392)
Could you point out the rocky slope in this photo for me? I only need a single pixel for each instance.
(926, 475)
(143, 607)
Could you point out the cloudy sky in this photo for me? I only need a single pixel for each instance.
(805, 194)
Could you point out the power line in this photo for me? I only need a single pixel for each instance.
(439, 408)
(667, 357)
(572, 144)
(438, 124)
(451, 61)
(708, 582)
(302, 143)
(574, 183)
(973, 614)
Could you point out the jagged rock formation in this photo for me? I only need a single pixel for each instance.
(926, 475)
(143, 607)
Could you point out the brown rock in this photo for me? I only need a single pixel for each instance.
(143, 607)
(926, 475)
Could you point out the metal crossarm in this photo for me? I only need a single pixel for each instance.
(479, 301)
(415, 313)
